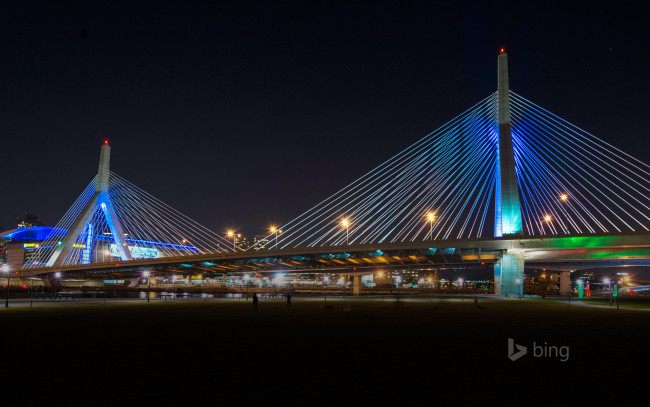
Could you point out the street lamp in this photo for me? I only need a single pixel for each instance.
(58, 281)
(346, 223)
(234, 237)
(276, 231)
(6, 269)
(431, 216)
(326, 280)
(148, 275)
(609, 290)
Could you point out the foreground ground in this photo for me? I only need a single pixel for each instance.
(316, 352)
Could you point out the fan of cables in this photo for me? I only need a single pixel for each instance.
(444, 185)
(151, 228)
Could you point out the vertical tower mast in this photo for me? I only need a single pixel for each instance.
(508, 209)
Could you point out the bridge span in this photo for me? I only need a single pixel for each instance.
(557, 253)
(506, 183)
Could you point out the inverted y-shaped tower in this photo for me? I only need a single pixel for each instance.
(100, 199)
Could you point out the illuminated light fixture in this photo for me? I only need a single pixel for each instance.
(564, 197)
(503, 50)
(547, 218)
(431, 216)
(346, 223)
(106, 142)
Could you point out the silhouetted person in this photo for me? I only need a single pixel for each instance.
(289, 300)
(255, 301)
(476, 303)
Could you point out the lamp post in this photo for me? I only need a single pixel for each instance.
(460, 283)
(31, 292)
(431, 216)
(148, 275)
(326, 280)
(609, 290)
(346, 223)
(7, 270)
(58, 282)
(276, 231)
(234, 237)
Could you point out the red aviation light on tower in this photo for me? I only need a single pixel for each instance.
(503, 50)
(106, 142)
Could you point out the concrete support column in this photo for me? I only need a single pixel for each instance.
(133, 282)
(509, 274)
(356, 286)
(565, 283)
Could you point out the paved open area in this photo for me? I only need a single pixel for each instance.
(416, 349)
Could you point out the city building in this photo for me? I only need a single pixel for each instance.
(242, 242)
(28, 221)
(261, 241)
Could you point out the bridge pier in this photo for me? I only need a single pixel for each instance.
(356, 286)
(565, 283)
(509, 274)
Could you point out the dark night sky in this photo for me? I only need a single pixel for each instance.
(246, 113)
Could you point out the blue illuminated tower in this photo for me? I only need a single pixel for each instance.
(508, 209)
(509, 270)
(100, 199)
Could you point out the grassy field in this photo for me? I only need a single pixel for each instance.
(317, 353)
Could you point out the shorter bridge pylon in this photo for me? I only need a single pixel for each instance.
(100, 200)
(114, 220)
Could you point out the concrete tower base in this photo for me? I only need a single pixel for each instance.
(565, 283)
(509, 274)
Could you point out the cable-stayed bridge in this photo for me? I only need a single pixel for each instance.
(506, 182)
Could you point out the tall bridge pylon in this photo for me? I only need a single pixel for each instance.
(509, 270)
(508, 210)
